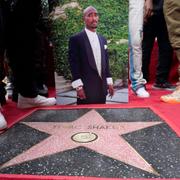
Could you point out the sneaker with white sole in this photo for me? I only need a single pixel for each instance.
(24, 102)
(142, 93)
(173, 98)
(3, 123)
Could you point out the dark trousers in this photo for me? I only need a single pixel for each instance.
(156, 27)
(100, 98)
(23, 43)
(21, 54)
(87, 101)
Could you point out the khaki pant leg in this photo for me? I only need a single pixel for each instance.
(172, 14)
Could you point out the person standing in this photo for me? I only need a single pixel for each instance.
(139, 10)
(21, 42)
(3, 123)
(172, 13)
(88, 58)
(155, 27)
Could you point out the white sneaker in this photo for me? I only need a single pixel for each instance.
(142, 93)
(24, 102)
(3, 123)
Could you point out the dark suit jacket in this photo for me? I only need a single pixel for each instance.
(83, 66)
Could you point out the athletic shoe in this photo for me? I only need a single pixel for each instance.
(173, 98)
(3, 123)
(164, 86)
(142, 93)
(24, 102)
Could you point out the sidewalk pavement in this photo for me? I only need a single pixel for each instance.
(69, 97)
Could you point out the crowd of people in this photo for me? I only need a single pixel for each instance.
(22, 32)
(150, 20)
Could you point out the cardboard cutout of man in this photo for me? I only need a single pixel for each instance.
(88, 58)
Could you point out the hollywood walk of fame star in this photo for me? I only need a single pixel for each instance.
(108, 141)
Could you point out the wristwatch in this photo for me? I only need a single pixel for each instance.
(79, 88)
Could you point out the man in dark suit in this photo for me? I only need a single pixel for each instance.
(89, 64)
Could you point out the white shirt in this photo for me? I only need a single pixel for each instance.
(95, 45)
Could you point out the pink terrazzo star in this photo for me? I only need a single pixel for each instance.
(109, 141)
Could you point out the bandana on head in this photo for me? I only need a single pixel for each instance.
(89, 10)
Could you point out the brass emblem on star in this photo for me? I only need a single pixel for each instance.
(84, 137)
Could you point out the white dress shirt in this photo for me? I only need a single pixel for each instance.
(95, 45)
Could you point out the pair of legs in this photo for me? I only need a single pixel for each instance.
(3, 123)
(155, 27)
(172, 13)
(99, 100)
(136, 15)
(24, 52)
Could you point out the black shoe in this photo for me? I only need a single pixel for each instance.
(43, 91)
(164, 86)
(15, 95)
(2, 94)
